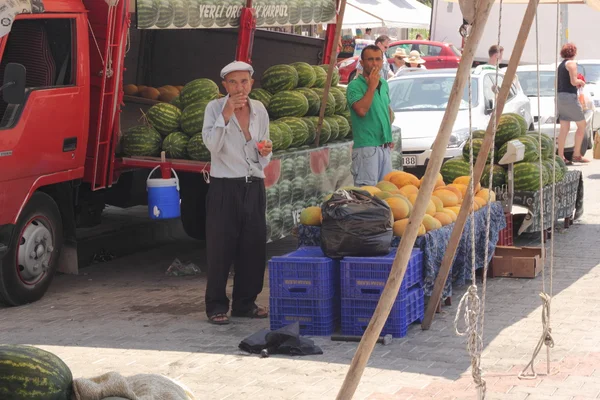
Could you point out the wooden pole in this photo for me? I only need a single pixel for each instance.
(457, 231)
(332, 62)
(390, 292)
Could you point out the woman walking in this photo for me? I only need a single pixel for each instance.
(569, 107)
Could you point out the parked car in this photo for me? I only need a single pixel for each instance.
(546, 117)
(436, 55)
(590, 69)
(419, 99)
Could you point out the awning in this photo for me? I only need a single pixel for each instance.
(595, 4)
(388, 13)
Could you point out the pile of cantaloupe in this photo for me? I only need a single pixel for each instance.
(164, 93)
(399, 190)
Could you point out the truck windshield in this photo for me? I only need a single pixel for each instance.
(528, 81)
(591, 72)
(425, 93)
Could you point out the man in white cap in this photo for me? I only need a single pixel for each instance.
(236, 131)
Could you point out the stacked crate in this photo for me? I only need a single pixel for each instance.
(304, 287)
(362, 282)
(505, 236)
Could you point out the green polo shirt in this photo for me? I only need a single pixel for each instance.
(375, 128)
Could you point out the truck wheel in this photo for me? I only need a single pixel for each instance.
(29, 266)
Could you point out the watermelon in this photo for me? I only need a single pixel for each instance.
(175, 145)
(276, 136)
(294, 12)
(521, 121)
(560, 170)
(527, 176)
(272, 197)
(285, 191)
(340, 99)
(287, 136)
(454, 168)
(288, 103)
(199, 89)
(312, 130)
(299, 130)
(177, 102)
(196, 149)
(288, 169)
(147, 13)
(330, 106)
(298, 190)
(478, 134)
(396, 160)
(164, 117)
(327, 11)
(508, 129)
(275, 221)
(194, 18)
(279, 78)
(312, 185)
(335, 129)
(306, 74)
(207, 19)
(531, 149)
(548, 166)
(141, 141)
(27, 372)
(498, 179)
(192, 118)
(261, 95)
(287, 212)
(343, 126)
(165, 14)
(321, 77)
(301, 166)
(476, 147)
(181, 12)
(314, 102)
(547, 144)
(335, 77)
(325, 130)
(306, 11)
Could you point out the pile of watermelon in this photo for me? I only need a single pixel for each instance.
(526, 172)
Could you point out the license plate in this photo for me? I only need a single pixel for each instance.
(409, 161)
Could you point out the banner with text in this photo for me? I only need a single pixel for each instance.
(178, 14)
(10, 8)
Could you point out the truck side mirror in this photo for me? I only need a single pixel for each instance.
(14, 84)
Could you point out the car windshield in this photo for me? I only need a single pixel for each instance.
(528, 81)
(427, 93)
(591, 72)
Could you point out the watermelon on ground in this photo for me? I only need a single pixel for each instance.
(175, 145)
(330, 106)
(166, 13)
(272, 197)
(306, 74)
(197, 150)
(299, 130)
(147, 13)
(164, 117)
(498, 179)
(288, 103)
(321, 77)
(454, 168)
(314, 102)
(192, 118)
(301, 166)
(261, 95)
(278, 78)
(288, 169)
(199, 89)
(141, 141)
(275, 221)
(527, 176)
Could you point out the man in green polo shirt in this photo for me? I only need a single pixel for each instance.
(372, 117)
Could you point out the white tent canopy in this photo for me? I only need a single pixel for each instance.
(595, 4)
(386, 13)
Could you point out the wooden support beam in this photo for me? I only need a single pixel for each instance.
(459, 225)
(390, 292)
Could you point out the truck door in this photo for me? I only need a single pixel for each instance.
(44, 135)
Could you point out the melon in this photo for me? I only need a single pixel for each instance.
(141, 141)
(288, 103)
(486, 195)
(175, 145)
(306, 74)
(261, 95)
(430, 223)
(451, 213)
(444, 218)
(386, 186)
(130, 90)
(147, 13)
(199, 89)
(164, 117)
(196, 148)
(398, 206)
(407, 190)
(448, 197)
(439, 204)
(278, 78)
(192, 117)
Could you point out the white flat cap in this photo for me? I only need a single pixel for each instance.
(237, 66)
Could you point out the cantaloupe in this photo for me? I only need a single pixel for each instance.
(404, 179)
(456, 209)
(386, 186)
(150, 93)
(481, 202)
(389, 175)
(431, 223)
(439, 204)
(167, 94)
(422, 230)
(399, 207)
(448, 197)
(400, 226)
(371, 189)
(451, 213)
(456, 192)
(383, 195)
(461, 188)
(431, 209)
(465, 181)
(444, 218)
(486, 195)
(311, 216)
(130, 90)
(438, 183)
(408, 190)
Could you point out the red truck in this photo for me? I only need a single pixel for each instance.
(62, 112)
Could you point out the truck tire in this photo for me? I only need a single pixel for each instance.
(32, 259)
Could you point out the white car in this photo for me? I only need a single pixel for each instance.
(419, 99)
(527, 76)
(590, 69)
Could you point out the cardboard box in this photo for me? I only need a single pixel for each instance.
(517, 262)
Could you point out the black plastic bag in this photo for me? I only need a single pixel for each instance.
(355, 224)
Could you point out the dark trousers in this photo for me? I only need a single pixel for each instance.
(236, 233)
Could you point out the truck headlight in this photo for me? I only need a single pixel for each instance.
(459, 137)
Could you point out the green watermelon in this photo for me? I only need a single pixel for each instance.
(166, 13)
(561, 170)
(325, 130)
(261, 95)
(328, 11)
(306, 74)
(312, 185)
(285, 192)
(207, 19)
(321, 77)
(288, 103)
(192, 118)
(312, 130)
(272, 197)
(478, 134)
(175, 145)
(454, 168)
(299, 130)
(521, 121)
(532, 148)
(279, 78)
(164, 117)
(287, 212)
(194, 18)
(294, 12)
(335, 77)
(340, 99)
(199, 89)
(288, 169)
(298, 189)
(396, 160)
(275, 221)
(197, 150)
(306, 11)
(177, 102)
(548, 171)
(476, 147)
(30, 373)
(335, 129)
(547, 144)
(314, 102)
(302, 166)
(147, 13)
(499, 178)
(527, 176)
(181, 12)
(330, 106)
(287, 136)
(343, 126)
(508, 129)
(276, 136)
(141, 141)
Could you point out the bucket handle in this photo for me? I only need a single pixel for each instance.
(155, 168)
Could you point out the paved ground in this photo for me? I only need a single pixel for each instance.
(125, 315)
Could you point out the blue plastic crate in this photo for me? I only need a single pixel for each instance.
(365, 277)
(305, 273)
(356, 314)
(316, 317)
